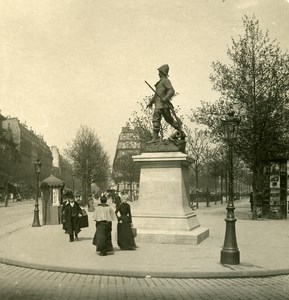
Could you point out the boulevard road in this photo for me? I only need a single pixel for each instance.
(15, 216)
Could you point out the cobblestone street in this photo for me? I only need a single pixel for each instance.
(24, 283)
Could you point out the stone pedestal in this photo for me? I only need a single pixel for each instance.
(162, 213)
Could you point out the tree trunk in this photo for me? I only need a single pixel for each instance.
(84, 192)
(216, 189)
(7, 195)
(226, 182)
(88, 188)
(130, 189)
(221, 188)
(197, 176)
(256, 185)
(197, 186)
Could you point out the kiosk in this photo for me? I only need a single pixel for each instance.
(275, 189)
(51, 188)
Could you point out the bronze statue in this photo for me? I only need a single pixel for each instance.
(163, 93)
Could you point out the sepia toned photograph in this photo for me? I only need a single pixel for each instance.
(144, 149)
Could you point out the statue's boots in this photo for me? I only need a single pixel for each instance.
(155, 138)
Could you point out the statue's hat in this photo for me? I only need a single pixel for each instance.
(164, 69)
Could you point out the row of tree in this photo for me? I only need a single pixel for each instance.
(211, 160)
(255, 85)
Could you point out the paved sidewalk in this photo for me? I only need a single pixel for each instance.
(263, 248)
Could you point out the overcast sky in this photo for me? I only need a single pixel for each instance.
(68, 62)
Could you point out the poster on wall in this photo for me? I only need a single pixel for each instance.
(55, 197)
(275, 200)
(274, 181)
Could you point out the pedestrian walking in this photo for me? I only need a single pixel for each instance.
(251, 201)
(103, 216)
(91, 207)
(78, 199)
(62, 213)
(72, 213)
(117, 199)
(125, 237)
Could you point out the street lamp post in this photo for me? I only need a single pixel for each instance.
(230, 253)
(37, 166)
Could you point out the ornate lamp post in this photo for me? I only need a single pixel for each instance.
(230, 253)
(73, 176)
(37, 166)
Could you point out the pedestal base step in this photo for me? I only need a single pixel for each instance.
(193, 237)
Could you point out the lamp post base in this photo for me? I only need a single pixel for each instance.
(36, 222)
(230, 256)
(230, 253)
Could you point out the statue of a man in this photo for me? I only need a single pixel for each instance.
(164, 91)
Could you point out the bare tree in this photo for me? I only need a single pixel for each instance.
(197, 143)
(89, 159)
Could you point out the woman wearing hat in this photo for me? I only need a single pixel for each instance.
(103, 215)
(125, 237)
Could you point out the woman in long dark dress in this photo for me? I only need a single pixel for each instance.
(125, 237)
(104, 215)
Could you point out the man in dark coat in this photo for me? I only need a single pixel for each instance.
(161, 100)
(72, 213)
